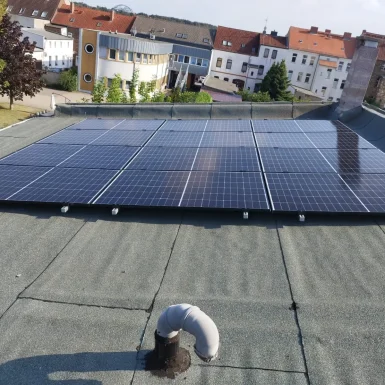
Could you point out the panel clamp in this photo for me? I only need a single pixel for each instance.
(245, 215)
(65, 209)
(115, 211)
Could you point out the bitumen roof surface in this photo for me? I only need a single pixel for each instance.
(80, 293)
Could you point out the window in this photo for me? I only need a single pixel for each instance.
(63, 60)
(266, 53)
(44, 14)
(260, 70)
(56, 60)
(122, 55)
(253, 50)
(138, 57)
(224, 42)
(299, 78)
(226, 79)
(127, 85)
(307, 78)
(304, 59)
(145, 59)
(113, 54)
(340, 65)
(229, 64)
(219, 62)
(199, 62)
(180, 58)
(229, 43)
(179, 35)
(109, 82)
(54, 44)
(383, 67)
(77, 60)
(244, 67)
(99, 24)
(205, 63)
(329, 73)
(50, 44)
(61, 44)
(312, 60)
(89, 48)
(348, 67)
(290, 75)
(205, 40)
(184, 36)
(243, 45)
(150, 57)
(193, 61)
(87, 78)
(216, 77)
(294, 58)
(72, 20)
(69, 34)
(35, 12)
(330, 99)
(274, 54)
(130, 56)
(186, 59)
(22, 10)
(323, 91)
(49, 61)
(335, 84)
(342, 84)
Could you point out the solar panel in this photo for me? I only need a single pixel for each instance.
(365, 161)
(294, 160)
(370, 188)
(184, 125)
(322, 126)
(225, 190)
(227, 139)
(123, 138)
(145, 188)
(164, 159)
(283, 140)
(275, 126)
(228, 125)
(13, 178)
(66, 185)
(74, 137)
(312, 193)
(139, 125)
(175, 139)
(96, 124)
(101, 157)
(227, 159)
(344, 141)
(44, 155)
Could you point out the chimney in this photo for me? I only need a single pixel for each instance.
(347, 35)
(72, 7)
(328, 32)
(274, 33)
(314, 30)
(113, 15)
(364, 31)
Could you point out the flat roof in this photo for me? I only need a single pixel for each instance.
(47, 35)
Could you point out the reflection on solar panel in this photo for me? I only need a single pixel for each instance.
(322, 126)
(48, 155)
(225, 190)
(312, 192)
(294, 160)
(143, 188)
(228, 125)
(139, 125)
(344, 141)
(275, 126)
(74, 137)
(65, 185)
(176, 139)
(123, 138)
(184, 125)
(13, 178)
(283, 140)
(164, 159)
(96, 124)
(360, 161)
(227, 159)
(103, 157)
(370, 188)
(227, 139)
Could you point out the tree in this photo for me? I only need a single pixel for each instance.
(115, 92)
(133, 85)
(276, 83)
(3, 7)
(69, 80)
(124, 98)
(256, 97)
(99, 91)
(203, 97)
(20, 76)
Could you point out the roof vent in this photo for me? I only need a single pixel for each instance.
(274, 33)
(300, 41)
(134, 31)
(328, 32)
(152, 36)
(314, 30)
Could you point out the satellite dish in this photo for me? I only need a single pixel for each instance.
(123, 8)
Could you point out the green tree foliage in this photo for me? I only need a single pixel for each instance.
(115, 92)
(177, 96)
(158, 97)
(125, 99)
(276, 83)
(203, 97)
(99, 91)
(144, 92)
(133, 86)
(20, 76)
(3, 7)
(256, 97)
(69, 80)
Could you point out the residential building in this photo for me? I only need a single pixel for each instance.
(33, 14)
(104, 54)
(54, 51)
(191, 46)
(319, 62)
(75, 18)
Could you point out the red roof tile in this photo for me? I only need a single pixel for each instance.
(334, 45)
(237, 38)
(273, 41)
(93, 19)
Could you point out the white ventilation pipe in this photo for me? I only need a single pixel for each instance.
(194, 321)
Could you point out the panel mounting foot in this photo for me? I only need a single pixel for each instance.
(301, 217)
(245, 215)
(65, 209)
(115, 211)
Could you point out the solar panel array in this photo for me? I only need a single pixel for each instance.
(283, 166)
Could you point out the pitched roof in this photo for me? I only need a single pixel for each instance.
(242, 42)
(335, 45)
(46, 34)
(89, 18)
(273, 41)
(36, 5)
(381, 39)
(171, 31)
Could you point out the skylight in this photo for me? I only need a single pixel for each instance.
(72, 20)
(44, 14)
(184, 36)
(22, 10)
(179, 35)
(99, 24)
(205, 40)
(35, 12)
(9, 8)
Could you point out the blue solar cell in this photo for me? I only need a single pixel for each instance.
(175, 139)
(164, 159)
(283, 140)
(184, 125)
(13, 178)
(139, 125)
(123, 138)
(66, 185)
(225, 190)
(345, 141)
(229, 125)
(145, 188)
(276, 126)
(96, 124)
(227, 139)
(322, 126)
(101, 157)
(74, 137)
(227, 159)
(312, 193)
(44, 155)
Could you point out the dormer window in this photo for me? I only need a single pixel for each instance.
(179, 35)
(35, 12)
(44, 14)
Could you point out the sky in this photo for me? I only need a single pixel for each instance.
(338, 15)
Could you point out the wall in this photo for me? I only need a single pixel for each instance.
(88, 62)
(378, 72)
(63, 49)
(298, 67)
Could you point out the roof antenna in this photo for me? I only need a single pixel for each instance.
(265, 29)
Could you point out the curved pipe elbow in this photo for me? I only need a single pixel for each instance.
(194, 321)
